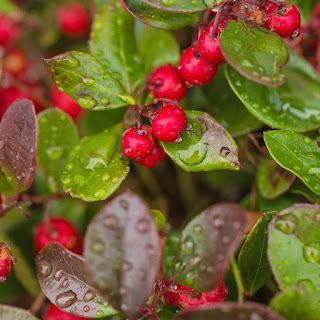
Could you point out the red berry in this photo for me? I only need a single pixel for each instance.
(195, 69)
(73, 19)
(15, 62)
(285, 21)
(9, 30)
(186, 301)
(157, 155)
(61, 231)
(7, 260)
(168, 123)
(209, 44)
(53, 313)
(60, 100)
(166, 82)
(138, 143)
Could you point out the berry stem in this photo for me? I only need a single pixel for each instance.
(144, 87)
(37, 303)
(214, 31)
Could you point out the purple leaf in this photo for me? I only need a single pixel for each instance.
(122, 252)
(18, 144)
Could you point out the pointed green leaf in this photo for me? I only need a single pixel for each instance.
(96, 166)
(12, 313)
(83, 78)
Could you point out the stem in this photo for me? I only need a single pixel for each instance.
(140, 91)
(237, 277)
(37, 303)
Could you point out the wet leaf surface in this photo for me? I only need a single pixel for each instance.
(206, 146)
(96, 166)
(256, 53)
(12, 313)
(122, 249)
(18, 144)
(207, 245)
(63, 280)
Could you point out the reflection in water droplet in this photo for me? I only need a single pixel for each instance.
(66, 299)
(87, 102)
(55, 153)
(86, 308)
(110, 221)
(287, 223)
(44, 268)
(311, 252)
(89, 295)
(187, 246)
(58, 275)
(142, 225)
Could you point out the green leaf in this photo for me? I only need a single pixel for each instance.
(7, 6)
(96, 166)
(206, 246)
(100, 4)
(294, 248)
(157, 53)
(159, 19)
(12, 313)
(86, 81)
(296, 303)
(113, 44)
(284, 201)
(57, 135)
(272, 180)
(296, 153)
(256, 53)
(169, 251)
(253, 261)
(207, 146)
(5, 186)
(293, 106)
(159, 218)
(301, 189)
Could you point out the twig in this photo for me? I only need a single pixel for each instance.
(37, 303)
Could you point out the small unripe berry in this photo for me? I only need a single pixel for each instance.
(54, 313)
(9, 30)
(166, 82)
(73, 19)
(60, 100)
(58, 230)
(7, 260)
(168, 123)
(284, 21)
(157, 155)
(138, 143)
(195, 69)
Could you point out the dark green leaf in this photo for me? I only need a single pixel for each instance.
(63, 280)
(272, 180)
(207, 245)
(284, 201)
(300, 188)
(100, 4)
(296, 304)
(113, 44)
(159, 19)
(96, 166)
(169, 252)
(256, 53)
(296, 153)
(57, 135)
(293, 106)
(207, 146)
(253, 261)
(230, 311)
(294, 247)
(12, 313)
(86, 81)
(121, 249)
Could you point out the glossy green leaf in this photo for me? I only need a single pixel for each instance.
(113, 44)
(206, 246)
(169, 252)
(57, 135)
(256, 53)
(159, 218)
(12, 313)
(83, 78)
(293, 106)
(157, 53)
(253, 260)
(159, 19)
(296, 303)
(296, 153)
(207, 146)
(301, 189)
(96, 166)
(273, 180)
(294, 247)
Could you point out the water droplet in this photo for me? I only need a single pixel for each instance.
(306, 284)
(297, 168)
(79, 180)
(70, 61)
(98, 246)
(99, 313)
(217, 223)
(287, 223)
(58, 275)
(187, 246)
(150, 250)
(110, 221)
(106, 76)
(115, 180)
(128, 99)
(142, 225)
(197, 229)
(66, 299)
(106, 177)
(124, 204)
(168, 2)
(65, 283)
(87, 102)
(105, 101)
(45, 268)
(126, 266)
(55, 153)
(311, 252)
(89, 295)
(100, 193)
(86, 308)
(179, 266)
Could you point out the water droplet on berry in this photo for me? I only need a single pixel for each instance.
(66, 299)
(197, 229)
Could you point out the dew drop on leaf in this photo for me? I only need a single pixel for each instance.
(287, 223)
(66, 299)
(45, 268)
(89, 295)
(111, 221)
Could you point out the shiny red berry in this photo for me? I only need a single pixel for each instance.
(73, 19)
(138, 143)
(53, 313)
(285, 20)
(157, 155)
(209, 44)
(58, 230)
(7, 260)
(189, 301)
(9, 30)
(168, 123)
(60, 100)
(166, 82)
(15, 62)
(195, 69)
